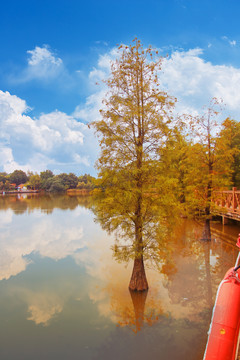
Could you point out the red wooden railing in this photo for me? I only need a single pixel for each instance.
(228, 200)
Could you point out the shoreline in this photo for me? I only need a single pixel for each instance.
(69, 192)
(15, 192)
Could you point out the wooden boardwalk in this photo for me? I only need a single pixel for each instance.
(227, 204)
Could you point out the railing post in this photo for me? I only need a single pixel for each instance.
(234, 201)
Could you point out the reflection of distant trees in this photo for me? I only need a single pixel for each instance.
(20, 207)
(46, 203)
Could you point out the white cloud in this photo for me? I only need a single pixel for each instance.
(57, 127)
(231, 42)
(43, 56)
(89, 111)
(42, 65)
(50, 141)
(12, 104)
(81, 159)
(195, 81)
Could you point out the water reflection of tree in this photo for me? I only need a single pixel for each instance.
(131, 309)
(206, 248)
(136, 314)
(46, 202)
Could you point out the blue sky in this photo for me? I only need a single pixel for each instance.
(53, 52)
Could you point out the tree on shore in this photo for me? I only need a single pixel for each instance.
(46, 181)
(18, 177)
(34, 181)
(134, 124)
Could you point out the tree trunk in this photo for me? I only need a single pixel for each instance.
(138, 280)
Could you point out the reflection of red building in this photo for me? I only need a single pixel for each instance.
(21, 187)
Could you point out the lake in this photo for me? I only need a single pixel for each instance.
(63, 296)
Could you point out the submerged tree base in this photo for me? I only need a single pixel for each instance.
(138, 280)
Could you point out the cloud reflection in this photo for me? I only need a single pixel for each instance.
(43, 307)
(55, 237)
(61, 235)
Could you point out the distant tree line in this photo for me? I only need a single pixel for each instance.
(46, 181)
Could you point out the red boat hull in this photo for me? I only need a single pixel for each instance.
(224, 329)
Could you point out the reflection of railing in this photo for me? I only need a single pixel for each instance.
(228, 201)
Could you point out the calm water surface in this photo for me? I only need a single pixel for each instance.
(62, 296)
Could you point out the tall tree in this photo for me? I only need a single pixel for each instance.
(209, 167)
(18, 177)
(229, 143)
(134, 125)
(34, 181)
